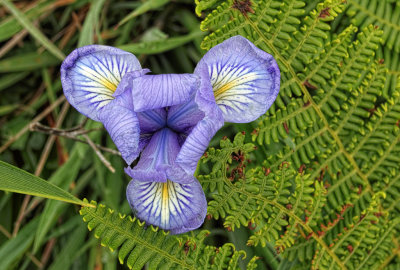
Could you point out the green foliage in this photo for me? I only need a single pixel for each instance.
(16, 180)
(327, 193)
(315, 185)
(139, 244)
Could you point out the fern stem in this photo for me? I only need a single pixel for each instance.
(395, 252)
(373, 15)
(377, 245)
(312, 102)
(340, 144)
(383, 157)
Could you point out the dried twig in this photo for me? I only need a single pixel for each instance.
(34, 120)
(98, 153)
(33, 258)
(12, 42)
(47, 252)
(72, 134)
(39, 168)
(50, 140)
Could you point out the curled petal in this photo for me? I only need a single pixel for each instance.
(122, 124)
(196, 143)
(200, 136)
(245, 79)
(157, 157)
(157, 91)
(91, 74)
(171, 206)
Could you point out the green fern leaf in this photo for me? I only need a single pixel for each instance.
(332, 138)
(139, 244)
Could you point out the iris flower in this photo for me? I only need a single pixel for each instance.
(169, 119)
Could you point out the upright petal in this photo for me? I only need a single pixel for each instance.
(200, 136)
(245, 79)
(196, 143)
(171, 206)
(122, 124)
(157, 91)
(157, 157)
(91, 74)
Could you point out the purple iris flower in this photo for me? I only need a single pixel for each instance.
(169, 119)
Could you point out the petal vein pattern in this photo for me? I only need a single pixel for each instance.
(91, 74)
(170, 206)
(245, 80)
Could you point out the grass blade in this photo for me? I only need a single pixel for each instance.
(159, 46)
(24, 21)
(27, 62)
(15, 247)
(143, 8)
(87, 35)
(16, 180)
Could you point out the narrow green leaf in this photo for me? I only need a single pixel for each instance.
(143, 8)
(15, 247)
(9, 26)
(53, 209)
(28, 62)
(65, 258)
(9, 80)
(24, 21)
(87, 35)
(5, 109)
(160, 46)
(16, 180)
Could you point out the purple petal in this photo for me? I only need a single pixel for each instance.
(183, 117)
(158, 156)
(171, 206)
(152, 120)
(199, 138)
(196, 143)
(245, 79)
(126, 82)
(123, 126)
(91, 74)
(158, 91)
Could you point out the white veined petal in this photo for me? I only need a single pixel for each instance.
(168, 205)
(91, 74)
(245, 80)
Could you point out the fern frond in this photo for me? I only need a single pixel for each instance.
(139, 244)
(331, 124)
(272, 200)
(381, 13)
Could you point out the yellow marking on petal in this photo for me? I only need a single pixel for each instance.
(223, 88)
(218, 91)
(164, 204)
(109, 85)
(165, 192)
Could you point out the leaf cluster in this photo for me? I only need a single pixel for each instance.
(335, 124)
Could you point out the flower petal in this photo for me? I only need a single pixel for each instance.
(122, 124)
(152, 120)
(91, 74)
(171, 206)
(196, 143)
(157, 91)
(183, 117)
(245, 79)
(158, 156)
(200, 136)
